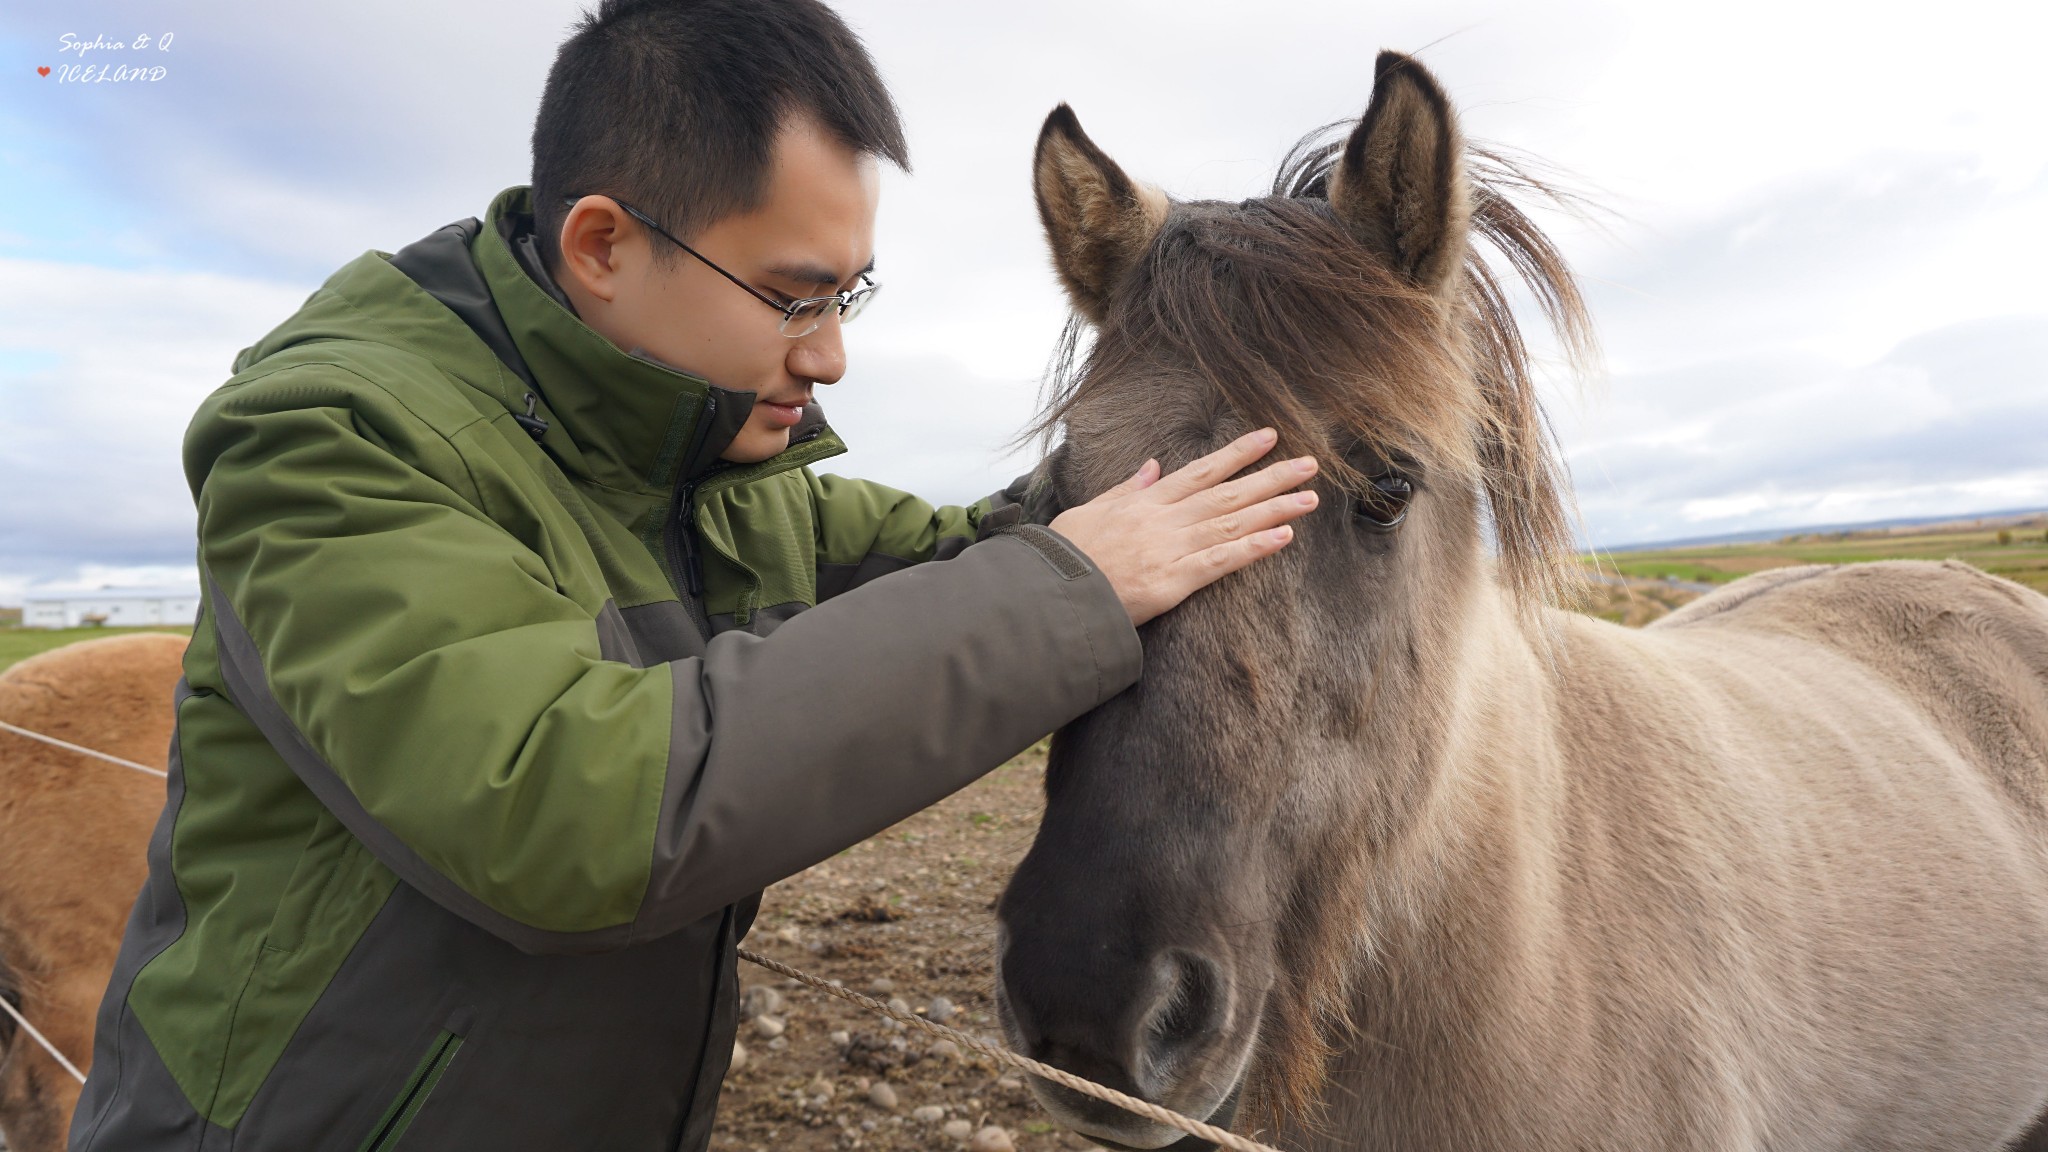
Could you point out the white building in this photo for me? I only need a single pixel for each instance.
(113, 607)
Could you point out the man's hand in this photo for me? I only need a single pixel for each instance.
(1160, 539)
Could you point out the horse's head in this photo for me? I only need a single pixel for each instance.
(1184, 923)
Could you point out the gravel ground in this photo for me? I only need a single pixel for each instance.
(907, 915)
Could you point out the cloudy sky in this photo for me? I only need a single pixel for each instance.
(1821, 285)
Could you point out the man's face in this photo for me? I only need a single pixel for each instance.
(813, 235)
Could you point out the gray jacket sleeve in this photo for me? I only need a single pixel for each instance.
(857, 713)
(1029, 499)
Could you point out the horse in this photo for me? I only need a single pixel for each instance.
(73, 832)
(1385, 850)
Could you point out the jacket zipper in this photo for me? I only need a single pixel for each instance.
(414, 1097)
(685, 554)
(684, 562)
(684, 558)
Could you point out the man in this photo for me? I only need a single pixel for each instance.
(533, 649)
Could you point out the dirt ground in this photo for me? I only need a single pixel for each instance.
(909, 914)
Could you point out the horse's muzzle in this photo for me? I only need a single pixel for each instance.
(1170, 1034)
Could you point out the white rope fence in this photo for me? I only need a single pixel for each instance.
(82, 751)
(7, 1005)
(1001, 1055)
(36, 1035)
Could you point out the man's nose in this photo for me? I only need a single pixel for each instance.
(820, 356)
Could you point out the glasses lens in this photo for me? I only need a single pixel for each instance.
(807, 315)
(858, 302)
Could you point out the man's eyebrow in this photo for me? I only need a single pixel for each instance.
(814, 273)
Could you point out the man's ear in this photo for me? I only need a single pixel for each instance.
(1098, 220)
(590, 232)
(1400, 185)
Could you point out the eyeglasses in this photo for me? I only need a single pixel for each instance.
(799, 317)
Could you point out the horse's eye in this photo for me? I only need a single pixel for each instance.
(1384, 504)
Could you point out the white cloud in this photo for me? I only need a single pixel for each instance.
(100, 371)
(1948, 421)
(929, 425)
(1841, 263)
(1802, 187)
(15, 587)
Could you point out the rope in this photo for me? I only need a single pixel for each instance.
(41, 1039)
(1150, 1111)
(66, 744)
(7, 1005)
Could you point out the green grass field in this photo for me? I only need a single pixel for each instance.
(18, 644)
(2023, 560)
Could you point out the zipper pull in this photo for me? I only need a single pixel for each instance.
(534, 425)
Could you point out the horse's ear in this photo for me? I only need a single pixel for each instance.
(1400, 185)
(1098, 220)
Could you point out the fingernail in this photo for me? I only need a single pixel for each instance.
(1305, 465)
(1265, 435)
(1280, 535)
(1306, 499)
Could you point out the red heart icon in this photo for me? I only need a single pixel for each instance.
(43, 71)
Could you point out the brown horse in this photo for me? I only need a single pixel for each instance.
(1400, 856)
(72, 835)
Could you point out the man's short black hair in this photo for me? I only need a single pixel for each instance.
(673, 106)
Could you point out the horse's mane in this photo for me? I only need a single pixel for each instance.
(1294, 324)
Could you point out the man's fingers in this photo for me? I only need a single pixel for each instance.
(1213, 564)
(1138, 531)
(1225, 461)
(1266, 514)
(1266, 482)
(1146, 475)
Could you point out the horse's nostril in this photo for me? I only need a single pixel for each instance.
(1188, 1017)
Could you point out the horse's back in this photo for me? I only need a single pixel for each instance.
(117, 688)
(73, 831)
(65, 818)
(1966, 650)
(63, 815)
(1832, 784)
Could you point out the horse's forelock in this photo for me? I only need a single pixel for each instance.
(1288, 324)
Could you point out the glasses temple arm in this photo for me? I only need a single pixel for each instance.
(787, 310)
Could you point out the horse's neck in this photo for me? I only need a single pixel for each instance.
(1489, 699)
(1473, 874)
(1463, 929)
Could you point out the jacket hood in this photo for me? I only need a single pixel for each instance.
(476, 299)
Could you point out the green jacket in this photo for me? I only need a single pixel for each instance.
(506, 702)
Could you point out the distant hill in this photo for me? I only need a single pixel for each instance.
(1974, 519)
(2011, 544)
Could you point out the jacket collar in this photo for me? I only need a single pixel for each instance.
(629, 420)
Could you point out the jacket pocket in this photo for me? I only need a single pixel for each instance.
(391, 1127)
